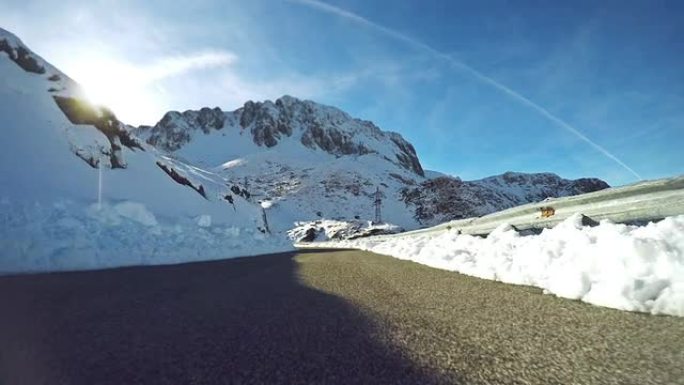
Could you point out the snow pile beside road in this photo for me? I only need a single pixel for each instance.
(71, 236)
(613, 265)
(327, 229)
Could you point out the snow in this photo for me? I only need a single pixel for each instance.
(49, 218)
(307, 185)
(38, 162)
(139, 213)
(618, 266)
(233, 163)
(327, 229)
(68, 235)
(204, 221)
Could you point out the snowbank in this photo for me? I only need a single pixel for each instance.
(613, 265)
(328, 229)
(71, 236)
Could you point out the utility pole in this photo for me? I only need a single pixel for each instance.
(99, 183)
(263, 217)
(264, 206)
(378, 206)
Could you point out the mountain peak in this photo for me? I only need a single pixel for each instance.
(314, 126)
(288, 100)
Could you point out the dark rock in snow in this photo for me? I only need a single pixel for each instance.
(81, 112)
(180, 179)
(22, 57)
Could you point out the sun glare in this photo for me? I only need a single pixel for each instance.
(120, 87)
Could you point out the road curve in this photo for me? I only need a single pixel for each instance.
(320, 317)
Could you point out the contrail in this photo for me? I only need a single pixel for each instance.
(331, 9)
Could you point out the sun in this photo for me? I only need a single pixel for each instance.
(120, 86)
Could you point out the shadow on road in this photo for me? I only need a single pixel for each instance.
(244, 320)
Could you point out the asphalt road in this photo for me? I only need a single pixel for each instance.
(333, 317)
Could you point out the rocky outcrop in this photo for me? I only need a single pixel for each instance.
(20, 55)
(583, 185)
(176, 129)
(407, 156)
(314, 125)
(182, 180)
(266, 124)
(447, 198)
(526, 188)
(333, 141)
(81, 112)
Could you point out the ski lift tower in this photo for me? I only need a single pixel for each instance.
(378, 206)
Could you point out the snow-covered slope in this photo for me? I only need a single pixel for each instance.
(315, 161)
(55, 144)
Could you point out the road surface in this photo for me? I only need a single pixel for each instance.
(320, 317)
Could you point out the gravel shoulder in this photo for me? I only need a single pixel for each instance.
(321, 317)
(490, 332)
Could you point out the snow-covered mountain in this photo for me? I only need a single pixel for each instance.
(315, 161)
(268, 124)
(56, 144)
(312, 161)
(46, 120)
(197, 178)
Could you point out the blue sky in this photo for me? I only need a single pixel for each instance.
(580, 88)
